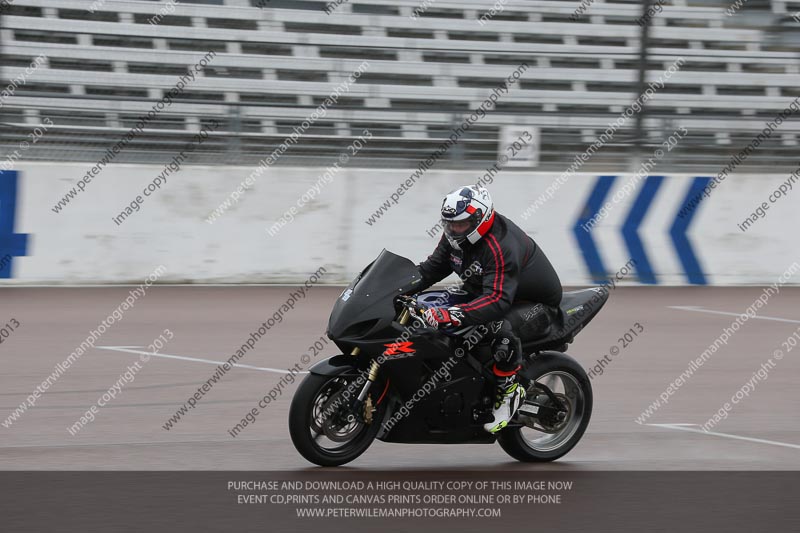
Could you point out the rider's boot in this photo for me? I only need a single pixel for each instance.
(509, 396)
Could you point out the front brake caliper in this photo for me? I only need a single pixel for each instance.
(368, 410)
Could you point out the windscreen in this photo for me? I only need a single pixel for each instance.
(370, 296)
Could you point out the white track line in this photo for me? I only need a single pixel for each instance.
(129, 349)
(698, 309)
(684, 427)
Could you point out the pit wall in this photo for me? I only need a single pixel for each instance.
(286, 223)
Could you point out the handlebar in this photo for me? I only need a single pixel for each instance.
(410, 303)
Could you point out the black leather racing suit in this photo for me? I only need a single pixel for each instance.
(505, 266)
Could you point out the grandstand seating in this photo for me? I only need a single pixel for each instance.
(274, 65)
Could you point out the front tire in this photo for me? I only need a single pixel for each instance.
(568, 380)
(318, 420)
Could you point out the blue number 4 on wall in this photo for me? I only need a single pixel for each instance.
(11, 244)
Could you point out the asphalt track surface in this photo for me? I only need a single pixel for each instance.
(210, 323)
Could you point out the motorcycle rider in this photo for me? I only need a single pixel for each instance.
(499, 265)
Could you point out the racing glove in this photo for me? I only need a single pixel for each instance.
(439, 317)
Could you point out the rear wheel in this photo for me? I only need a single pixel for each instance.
(322, 425)
(549, 437)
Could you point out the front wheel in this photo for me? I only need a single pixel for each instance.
(549, 439)
(322, 425)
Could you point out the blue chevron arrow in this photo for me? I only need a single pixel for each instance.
(694, 272)
(585, 241)
(11, 244)
(631, 226)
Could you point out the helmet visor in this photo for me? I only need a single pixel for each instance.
(459, 229)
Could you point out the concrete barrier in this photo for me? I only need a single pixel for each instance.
(328, 226)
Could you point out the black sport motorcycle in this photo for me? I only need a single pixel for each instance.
(400, 380)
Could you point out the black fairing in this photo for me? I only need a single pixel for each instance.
(457, 403)
(365, 309)
(335, 366)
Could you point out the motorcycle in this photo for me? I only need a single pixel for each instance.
(400, 380)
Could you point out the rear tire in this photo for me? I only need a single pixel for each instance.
(304, 421)
(515, 440)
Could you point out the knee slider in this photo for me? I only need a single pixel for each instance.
(502, 349)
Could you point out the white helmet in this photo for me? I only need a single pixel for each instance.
(468, 203)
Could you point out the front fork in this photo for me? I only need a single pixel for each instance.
(363, 403)
(362, 406)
